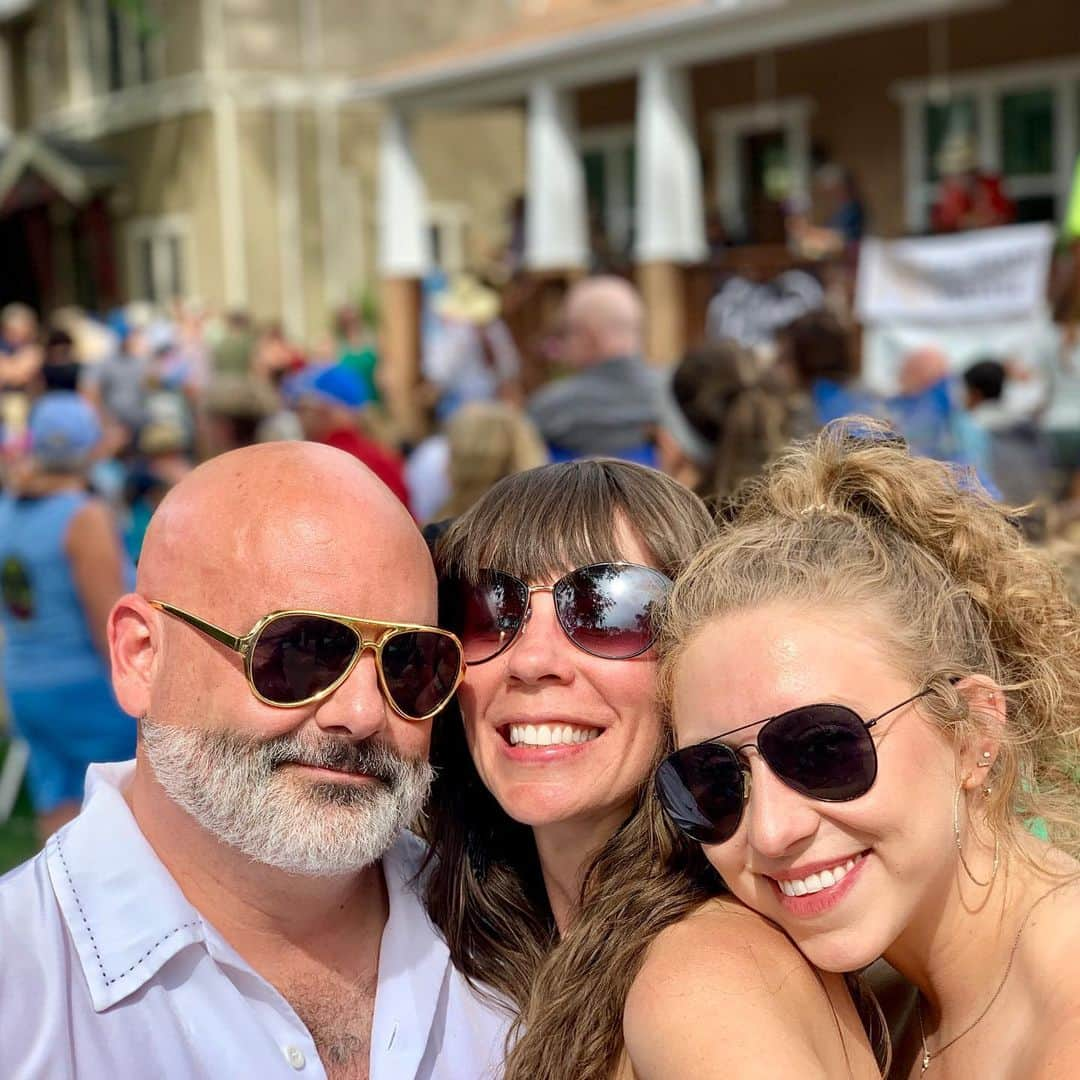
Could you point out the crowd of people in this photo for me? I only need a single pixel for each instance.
(720, 720)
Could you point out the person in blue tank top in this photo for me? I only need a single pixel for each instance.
(62, 566)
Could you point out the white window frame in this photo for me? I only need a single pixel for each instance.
(449, 220)
(987, 87)
(619, 211)
(160, 231)
(96, 50)
(731, 126)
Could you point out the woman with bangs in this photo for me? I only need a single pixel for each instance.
(542, 815)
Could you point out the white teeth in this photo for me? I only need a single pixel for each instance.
(550, 734)
(814, 883)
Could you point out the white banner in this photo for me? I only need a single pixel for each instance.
(986, 275)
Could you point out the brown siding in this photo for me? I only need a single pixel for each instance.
(856, 119)
(607, 104)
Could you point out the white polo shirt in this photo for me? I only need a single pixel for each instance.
(108, 973)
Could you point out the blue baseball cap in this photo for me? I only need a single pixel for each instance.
(337, 384)
(64, 429)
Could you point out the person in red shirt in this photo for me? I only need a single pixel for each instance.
(968, 197)
(328, 405)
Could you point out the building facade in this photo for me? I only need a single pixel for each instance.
(661, 125)
(211, 149)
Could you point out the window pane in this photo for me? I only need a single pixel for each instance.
(943, 120)
(1036, 208)
(176, 268)
(147, 291)
(146, 73)
(116, 49)
(1027, 133)
(595, 180)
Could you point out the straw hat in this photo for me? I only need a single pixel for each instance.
(468, 301)
(959, 154)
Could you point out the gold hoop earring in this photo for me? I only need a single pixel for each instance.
(960, 846)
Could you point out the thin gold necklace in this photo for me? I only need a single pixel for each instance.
(927, 1056)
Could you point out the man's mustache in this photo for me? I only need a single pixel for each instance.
(367, 758)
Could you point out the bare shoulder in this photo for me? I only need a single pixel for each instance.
(1052, 974)
(722, 939)
(724, 976)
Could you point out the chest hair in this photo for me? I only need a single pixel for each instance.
(338, 1012)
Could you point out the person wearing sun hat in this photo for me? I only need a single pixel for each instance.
(969, 196)
(471, 355)
(62, 566)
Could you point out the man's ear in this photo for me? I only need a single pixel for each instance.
(134, 643)
(989, 714)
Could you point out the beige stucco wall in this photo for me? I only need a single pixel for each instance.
(381, 32)
(477, 159)
(180, 30)
(170, 169)
(258, 179)
(262, 35)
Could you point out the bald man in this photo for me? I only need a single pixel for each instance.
(240, 900)
(609, 406)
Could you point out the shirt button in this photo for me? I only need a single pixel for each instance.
(295, 1057)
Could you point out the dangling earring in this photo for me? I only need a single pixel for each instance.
(960, 846)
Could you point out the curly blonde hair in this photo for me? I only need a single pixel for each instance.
(850, 519)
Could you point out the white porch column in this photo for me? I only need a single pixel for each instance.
(290, 240)
(670, 206)
(404, 258)
(404, 248)
(556, 231)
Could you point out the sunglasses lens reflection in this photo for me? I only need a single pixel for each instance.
(298, 656)
(421, 671)
(489, 614)
(701, 788)
(609, 610)
(824, 751)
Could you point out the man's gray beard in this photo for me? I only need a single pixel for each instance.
(233, 787)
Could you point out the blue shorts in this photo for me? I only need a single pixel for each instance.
(68, 727)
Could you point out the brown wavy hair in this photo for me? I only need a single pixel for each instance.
(851, 519)
(738, 409)
(484, 888)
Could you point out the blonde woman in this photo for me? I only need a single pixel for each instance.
(486, 441)
(875, 690)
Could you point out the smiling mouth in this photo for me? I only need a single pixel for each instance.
(548, 734)
(819, 881)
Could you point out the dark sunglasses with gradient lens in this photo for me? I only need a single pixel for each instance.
(294, 658)
(825, 752)
(606, 609)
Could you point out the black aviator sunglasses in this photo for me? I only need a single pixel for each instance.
(822, 751)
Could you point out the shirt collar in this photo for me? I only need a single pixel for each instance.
(125, 913)
(127, 916)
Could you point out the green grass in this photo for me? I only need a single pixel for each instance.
(17, 838)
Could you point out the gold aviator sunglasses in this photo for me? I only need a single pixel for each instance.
(296, 657)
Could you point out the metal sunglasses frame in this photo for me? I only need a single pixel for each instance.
(743, 765)
(530, 589)
(245, 646)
